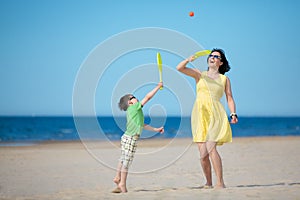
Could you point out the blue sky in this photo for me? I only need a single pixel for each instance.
(44, 44)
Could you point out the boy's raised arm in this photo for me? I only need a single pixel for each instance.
(151, 94)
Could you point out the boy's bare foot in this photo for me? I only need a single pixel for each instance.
(122, 188)
(117, 180)
(116, 190)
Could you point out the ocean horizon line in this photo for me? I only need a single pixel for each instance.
(45, 128)
(185, 116)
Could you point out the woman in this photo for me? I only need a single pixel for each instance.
(210, 126)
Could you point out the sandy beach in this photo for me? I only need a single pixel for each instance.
(254, 168)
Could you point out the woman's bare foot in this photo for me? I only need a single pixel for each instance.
(207, 186)
(222, 186)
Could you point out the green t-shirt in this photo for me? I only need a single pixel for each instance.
(135, 119)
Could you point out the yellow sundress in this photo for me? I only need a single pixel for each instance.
(209, 120)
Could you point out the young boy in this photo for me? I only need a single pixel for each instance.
(134, 127)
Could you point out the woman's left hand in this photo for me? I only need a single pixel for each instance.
(234, 120)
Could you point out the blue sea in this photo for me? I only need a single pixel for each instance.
(41, 129)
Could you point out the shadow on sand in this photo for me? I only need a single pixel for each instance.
(269, 185)
(201, 187)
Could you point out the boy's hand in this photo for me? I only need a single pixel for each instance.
(160, 84)
(150, 94)
(160, 130)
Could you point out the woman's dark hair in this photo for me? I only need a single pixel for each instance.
(225, 67)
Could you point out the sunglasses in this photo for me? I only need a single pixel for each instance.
(133, 97)
(214, 56)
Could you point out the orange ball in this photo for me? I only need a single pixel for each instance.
(191, 14)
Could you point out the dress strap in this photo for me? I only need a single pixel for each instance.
(223, 78)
